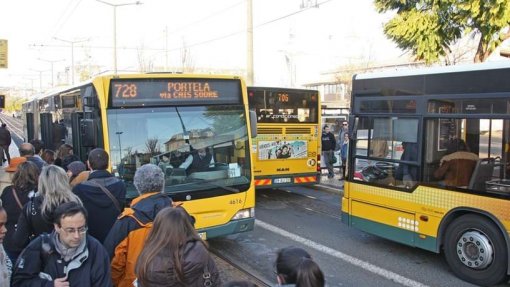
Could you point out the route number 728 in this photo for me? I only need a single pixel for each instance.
(125, 90)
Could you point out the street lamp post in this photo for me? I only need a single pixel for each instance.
(72, 54)
(51, 62)
(115, 27)
(120, 147)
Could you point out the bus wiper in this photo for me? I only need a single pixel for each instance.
(211, 182)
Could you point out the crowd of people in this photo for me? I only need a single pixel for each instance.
(64, 222)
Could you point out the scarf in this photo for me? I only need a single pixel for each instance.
(68, 253)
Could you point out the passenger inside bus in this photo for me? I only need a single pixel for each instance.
(456, 167)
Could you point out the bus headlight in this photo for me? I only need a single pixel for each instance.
(244, 213)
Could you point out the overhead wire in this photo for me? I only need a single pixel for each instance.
(64, 21)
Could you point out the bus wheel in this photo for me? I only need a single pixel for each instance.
(476, 251)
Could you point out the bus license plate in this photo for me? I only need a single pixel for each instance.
(282, 180)
(202, 235)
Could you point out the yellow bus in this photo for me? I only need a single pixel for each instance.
(286, 150)
(429, 164)
(162, 119)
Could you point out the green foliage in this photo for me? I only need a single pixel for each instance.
(429, 27)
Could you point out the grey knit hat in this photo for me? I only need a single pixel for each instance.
(149, 178)
(76, 167)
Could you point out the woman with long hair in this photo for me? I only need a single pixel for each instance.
(295, 266)
(24, 185)
(37, 215)
(174, 254)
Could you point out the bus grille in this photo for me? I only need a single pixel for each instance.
(299, 131)
(269, 131)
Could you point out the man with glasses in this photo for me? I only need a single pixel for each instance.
(66, 257)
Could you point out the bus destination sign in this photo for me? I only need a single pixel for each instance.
(157, 92)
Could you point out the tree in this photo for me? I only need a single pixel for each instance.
(430, 27)
(152, 146)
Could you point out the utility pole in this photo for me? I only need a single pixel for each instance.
(166, 48)
(115, 27)
(40, 78)
(51, 63)
(72, 54)
(249, 43)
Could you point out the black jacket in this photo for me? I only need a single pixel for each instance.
(5, 137)
(90, 268)
(101, 209)
(31, 223)
(328, 141)
(13, 212)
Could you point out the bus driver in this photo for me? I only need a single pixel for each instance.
(197, 161)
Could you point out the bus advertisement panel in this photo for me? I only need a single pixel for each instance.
(429, 164)
(287, 147)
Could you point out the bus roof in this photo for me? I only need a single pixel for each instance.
(434, 70)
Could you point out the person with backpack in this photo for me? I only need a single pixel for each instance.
(102, 194)
(24, 186)
(68, 256)
(37, 215)
(125, 240)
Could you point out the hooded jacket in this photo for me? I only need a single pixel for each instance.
(89, 267)
(126, 238)
(102, 212)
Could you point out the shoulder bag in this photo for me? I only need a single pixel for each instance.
(109, 194)
(17, 198)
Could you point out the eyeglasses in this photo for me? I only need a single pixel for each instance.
(344, 124)
(80, 230)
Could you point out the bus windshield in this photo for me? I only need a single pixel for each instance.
(284, 106)
(197, 148)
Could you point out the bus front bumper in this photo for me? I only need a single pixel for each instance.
(231, 227)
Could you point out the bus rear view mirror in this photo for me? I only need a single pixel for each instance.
(90, 102)
(88, 133)
(253, 123)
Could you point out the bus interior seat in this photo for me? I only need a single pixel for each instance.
(482, 173)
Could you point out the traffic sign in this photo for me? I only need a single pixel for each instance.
(3, 53)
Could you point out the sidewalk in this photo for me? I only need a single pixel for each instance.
(334, 182)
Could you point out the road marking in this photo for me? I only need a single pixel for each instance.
(335, 189)
(347, 258)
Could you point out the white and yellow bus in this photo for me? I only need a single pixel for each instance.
(286, 151)
(429, 164)
(149, 118)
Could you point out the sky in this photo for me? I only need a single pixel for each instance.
(292, 45)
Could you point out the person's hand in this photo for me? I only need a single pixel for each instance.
(61, 282)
